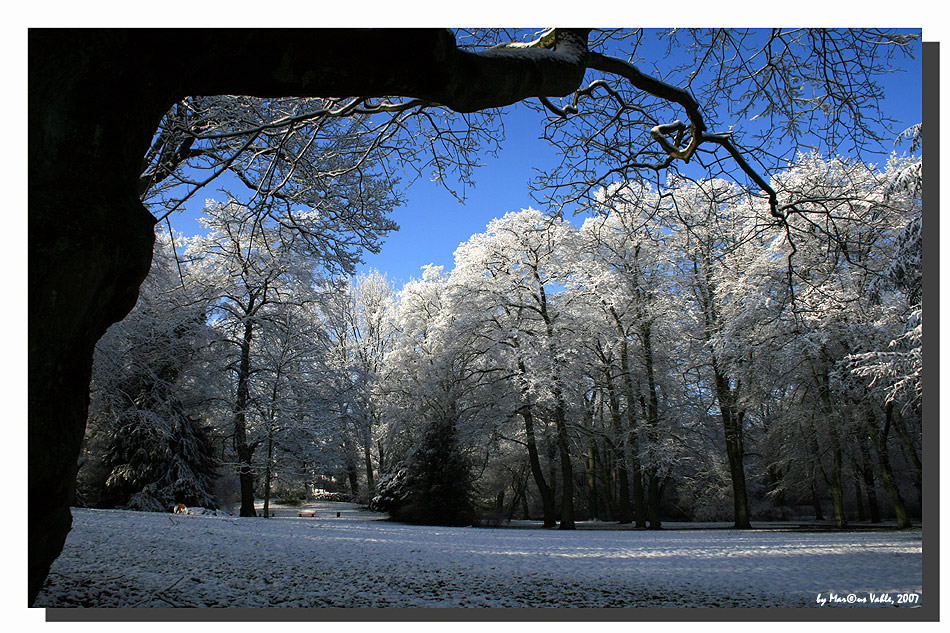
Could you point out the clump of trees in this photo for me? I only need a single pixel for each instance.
(679, 354)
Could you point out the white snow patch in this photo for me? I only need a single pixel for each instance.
(118, 558)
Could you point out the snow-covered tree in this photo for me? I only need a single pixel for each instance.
(897, 368)
(439, 405)
(624, 281)
(709, 221)
(361, 332)
(288, 161)
(292, 398)
(249, 272)
(516, 271)
(148, 439)
(833, 252)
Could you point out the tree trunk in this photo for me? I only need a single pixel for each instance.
(856, 482)
(732, 428)
(567, 470)
(547, 495)
(653, 501)
(602, 462)
(620, 433)
(90, 241)
(267, 471)
(652, 407)
(817, 469)
(628, 439)
(368, 458)
(520, 489)
(835, 486)
(560, 414)
(86, 262)
(352, 472)
(632, 446)
(245, 452)
(879, 439)
(870, 486)
(609, 491)
(590, 475)
(815, 498)
(910, 449)
(624, 509)
(639, 499)
(350, 459)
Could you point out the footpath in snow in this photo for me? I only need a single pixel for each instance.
(119, 558)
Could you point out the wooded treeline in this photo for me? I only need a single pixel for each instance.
(678, 355)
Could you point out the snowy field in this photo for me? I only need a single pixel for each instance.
(134, 559)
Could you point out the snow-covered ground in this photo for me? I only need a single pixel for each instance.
(135, 559)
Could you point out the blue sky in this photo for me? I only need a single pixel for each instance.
(433, 223)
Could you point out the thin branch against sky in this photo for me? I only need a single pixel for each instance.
(434, 221)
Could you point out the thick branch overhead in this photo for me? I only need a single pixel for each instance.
(424, 64)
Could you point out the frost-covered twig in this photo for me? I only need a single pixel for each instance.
(156, 594)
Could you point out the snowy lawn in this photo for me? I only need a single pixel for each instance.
(135, 559)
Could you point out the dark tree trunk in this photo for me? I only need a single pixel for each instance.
(624, 509)
(816, 470)
(620, 433)
(879, 438)
(245, 452)
(835, 487)
(910, 449)
(609, 490)
(870, 485)
(732, 428)
(567, 470)
(90, 242)
(639, 499)
(547, 495)
(653, 501)
(520, 496)
(816, 499)
(631, 443)
(368, 458)
(652, 410)
(268, 467)
(601, 476)
(856, 482)
(591, 472)
(627, 440)
(352, 469)
(560, 414)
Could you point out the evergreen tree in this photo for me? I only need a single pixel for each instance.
(159, 457)
(438, 483)
(146, 448)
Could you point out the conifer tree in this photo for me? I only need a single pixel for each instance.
(439, 481)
